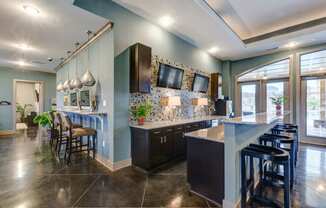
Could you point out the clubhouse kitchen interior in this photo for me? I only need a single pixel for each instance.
(181, 103)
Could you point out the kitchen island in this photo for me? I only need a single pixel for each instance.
(214, 156)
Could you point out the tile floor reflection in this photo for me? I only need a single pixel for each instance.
(26, 182)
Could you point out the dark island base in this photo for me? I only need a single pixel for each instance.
(205, 168)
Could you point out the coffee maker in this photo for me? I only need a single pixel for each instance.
(223, 107)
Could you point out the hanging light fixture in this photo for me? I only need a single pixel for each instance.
(67, 83)
(88, 79)
(76, 83)
(60, 86)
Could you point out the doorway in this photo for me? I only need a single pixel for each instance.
(27, 103)
(314, 105)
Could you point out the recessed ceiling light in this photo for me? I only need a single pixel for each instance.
(23, 46)
(291, 45)
(31, 10)
(166, 21)
(21, 63)
(213, 50)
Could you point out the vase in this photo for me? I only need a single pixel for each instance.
(141, 121)
(278, 110)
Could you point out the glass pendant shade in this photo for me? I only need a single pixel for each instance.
(88, 79)
(71, 87)
(66, 85)
(76, 83)
(60, 87)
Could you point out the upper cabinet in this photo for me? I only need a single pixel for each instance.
(140, 68)
(216, 86)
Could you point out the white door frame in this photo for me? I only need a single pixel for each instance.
(41, 103)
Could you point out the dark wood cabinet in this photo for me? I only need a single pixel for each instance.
(152, 148)
(216, 85)
(140, 68)
(180, 141)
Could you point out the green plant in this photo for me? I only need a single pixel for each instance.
(141, 110)
(22, 110)
(44, 119)
(278, 100)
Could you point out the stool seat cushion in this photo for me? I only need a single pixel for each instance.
(79, 132)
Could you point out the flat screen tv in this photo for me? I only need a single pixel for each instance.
(85, 100)
(200, 83)
(169, 77)
(73, 99)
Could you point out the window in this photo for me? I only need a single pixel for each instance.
(278, 69)
(313, 63)
(258, 87)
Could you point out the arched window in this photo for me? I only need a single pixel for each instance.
(259, 89)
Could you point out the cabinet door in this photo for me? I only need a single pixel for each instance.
(168, 144)
(180, 142)
(156, 148)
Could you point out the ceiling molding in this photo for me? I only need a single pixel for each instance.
(287, 30)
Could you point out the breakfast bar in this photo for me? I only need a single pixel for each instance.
(209, 173)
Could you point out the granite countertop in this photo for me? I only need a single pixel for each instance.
(161, 124)
(83, 112)
(257, 119)
(215, 134)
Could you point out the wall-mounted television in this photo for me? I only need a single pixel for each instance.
(73, 99)
(85, 99)
(200, 83)
(169, 76)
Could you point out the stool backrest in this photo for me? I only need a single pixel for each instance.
(67, 124)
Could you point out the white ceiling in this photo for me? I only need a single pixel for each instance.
(257, 17)
(198, 22)
(50, 34)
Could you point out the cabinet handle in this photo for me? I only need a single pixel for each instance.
(164, 139)
(161, 140)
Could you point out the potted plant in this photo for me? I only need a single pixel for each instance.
(140, 112)
(22, 110)
(45, 121)
(278, 101)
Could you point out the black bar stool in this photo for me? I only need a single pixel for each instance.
(75, 139)
(289, 130)
(264, 154)
(280, 141)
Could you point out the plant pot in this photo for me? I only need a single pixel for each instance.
(141, 120)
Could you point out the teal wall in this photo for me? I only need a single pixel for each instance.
(101, 65)
(121, 107)
(233, 68)
(130, 28)
(7, 75)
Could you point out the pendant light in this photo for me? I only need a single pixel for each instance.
(76, 83)
(67, 83)
(88, 79)
(60, 86)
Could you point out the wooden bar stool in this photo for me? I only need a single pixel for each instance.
(75, 139)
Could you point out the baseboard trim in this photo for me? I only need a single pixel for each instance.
(113, 166)
(7, 133)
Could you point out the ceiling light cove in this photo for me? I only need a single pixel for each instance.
(213, 50)
(166, 21)
(31, 10)
(291, 45)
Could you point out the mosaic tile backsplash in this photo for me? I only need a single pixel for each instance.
(186, 110)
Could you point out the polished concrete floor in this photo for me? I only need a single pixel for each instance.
(33, 180)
